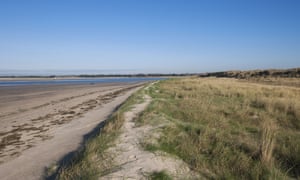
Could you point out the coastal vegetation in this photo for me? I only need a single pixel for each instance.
(223, 128)
(227, 128)
(277, 73)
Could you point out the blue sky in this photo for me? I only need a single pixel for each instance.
(149, 35)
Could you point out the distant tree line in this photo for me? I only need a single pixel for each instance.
(295, 72)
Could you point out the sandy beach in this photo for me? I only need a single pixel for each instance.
(41, 124)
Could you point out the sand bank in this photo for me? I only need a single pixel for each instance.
(41, 124)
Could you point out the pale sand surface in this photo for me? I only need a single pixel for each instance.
(41, 124)
(133, 162)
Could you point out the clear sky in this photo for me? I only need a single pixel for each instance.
(149, 35)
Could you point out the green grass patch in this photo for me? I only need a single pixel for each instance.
(161, 175)
(229, 129)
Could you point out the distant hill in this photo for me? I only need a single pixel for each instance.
(286, 73)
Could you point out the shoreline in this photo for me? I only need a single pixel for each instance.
(72, 78)
(40, 126)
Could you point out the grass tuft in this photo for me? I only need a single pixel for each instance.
(161, 175)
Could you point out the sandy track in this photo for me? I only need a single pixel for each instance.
(41, 126)
(132, 162)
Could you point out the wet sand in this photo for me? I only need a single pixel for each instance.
(40, 124)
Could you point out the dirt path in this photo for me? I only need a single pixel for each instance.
(132, 162)
(36, 138)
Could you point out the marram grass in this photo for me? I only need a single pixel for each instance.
(225, 128)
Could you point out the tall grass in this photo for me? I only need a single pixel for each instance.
(267, 142)
(225, 128)
(93, 161)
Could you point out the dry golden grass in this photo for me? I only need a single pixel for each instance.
(225, 128)
(275, 81)
(267, 142)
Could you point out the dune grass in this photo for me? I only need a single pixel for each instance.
(93, 161)
(225, 128)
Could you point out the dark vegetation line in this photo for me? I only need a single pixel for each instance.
(286, 73)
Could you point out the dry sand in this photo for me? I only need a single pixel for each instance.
(41, 124)
(132, 162)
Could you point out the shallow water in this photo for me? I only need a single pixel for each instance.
(77, 81)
